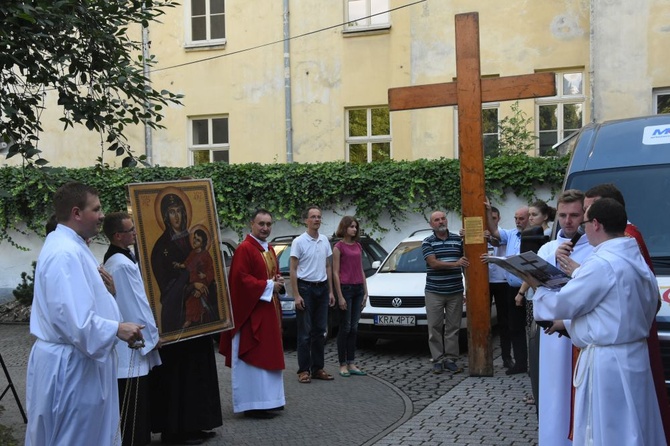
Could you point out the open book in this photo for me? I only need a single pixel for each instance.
(532, 269)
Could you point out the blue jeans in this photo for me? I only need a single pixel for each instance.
(346, 337)
(312, 325)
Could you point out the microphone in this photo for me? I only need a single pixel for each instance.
(575, 238)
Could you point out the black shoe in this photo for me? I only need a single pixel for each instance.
(508, 363)
(259, 414)
(277, 408)
(515, 370)
(180, 439)
(205, 435)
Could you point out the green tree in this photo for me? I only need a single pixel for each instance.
(83, 51)
(515, 136)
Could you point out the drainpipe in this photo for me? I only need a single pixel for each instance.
(592, 57)
(287, 86)
(148, 142)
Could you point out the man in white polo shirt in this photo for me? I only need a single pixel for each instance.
(311, 280)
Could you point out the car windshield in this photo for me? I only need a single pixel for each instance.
(283, 257)
(645, 189)
(407, 257)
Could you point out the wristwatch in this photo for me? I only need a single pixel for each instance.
(521, 294)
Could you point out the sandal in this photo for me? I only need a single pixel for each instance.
(303, 377)
(321, 374)
(358, 372)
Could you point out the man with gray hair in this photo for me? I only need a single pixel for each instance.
(443, 252)
(516, 315)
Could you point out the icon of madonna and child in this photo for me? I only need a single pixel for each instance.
(186, 263)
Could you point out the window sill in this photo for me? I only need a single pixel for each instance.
(205, 46)
(356, 31)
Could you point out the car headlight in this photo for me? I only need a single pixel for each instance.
(288, 305)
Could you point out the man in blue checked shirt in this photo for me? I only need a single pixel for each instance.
(443, 252)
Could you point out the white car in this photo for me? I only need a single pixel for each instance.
(396, 305)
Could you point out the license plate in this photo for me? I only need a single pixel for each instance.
(384, 319)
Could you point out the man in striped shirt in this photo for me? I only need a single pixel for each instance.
(443, 252)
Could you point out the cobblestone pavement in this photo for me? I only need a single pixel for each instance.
(399, 403)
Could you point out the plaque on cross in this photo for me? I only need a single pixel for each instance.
(468, 92)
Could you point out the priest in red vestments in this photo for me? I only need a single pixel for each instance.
(254, 349)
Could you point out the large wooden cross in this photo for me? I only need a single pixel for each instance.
(468, 92)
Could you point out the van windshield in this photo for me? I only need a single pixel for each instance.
(646, 190)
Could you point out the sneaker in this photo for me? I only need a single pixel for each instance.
(451, 366)
(437, 368)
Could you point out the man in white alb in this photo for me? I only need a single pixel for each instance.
(71, 388)
(610, 303)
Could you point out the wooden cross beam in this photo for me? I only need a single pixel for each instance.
(468, 92)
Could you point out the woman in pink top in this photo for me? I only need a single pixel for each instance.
(352, 292)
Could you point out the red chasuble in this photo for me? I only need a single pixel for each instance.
(258, 322)
(653, 344)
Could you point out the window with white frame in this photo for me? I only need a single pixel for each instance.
(368, 134)
(561, 115)
(661, 101)
(206, 22)
(366, 14)
(490, 131)
(208, 139)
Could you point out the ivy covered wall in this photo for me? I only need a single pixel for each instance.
(393, 188)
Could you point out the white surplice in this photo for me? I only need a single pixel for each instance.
(555, 364)
(612, 301)
(71, 388)
(134, 307)
(255, 388)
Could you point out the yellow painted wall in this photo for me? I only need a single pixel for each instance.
(332, 71)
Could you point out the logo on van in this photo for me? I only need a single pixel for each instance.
(657, 134)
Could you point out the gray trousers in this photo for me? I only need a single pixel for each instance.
(443, 313)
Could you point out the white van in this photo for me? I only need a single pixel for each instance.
(634, 154)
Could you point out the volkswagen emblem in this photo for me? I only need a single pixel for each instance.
(396, 302)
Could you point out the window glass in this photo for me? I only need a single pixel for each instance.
(572, 84)
(216, 6)
(572, 117)
(199, 28)
(200, 131)
(200, 157)
(220, 156)
(380, 121)
(220, 130)
(357, 10)
(358, 153)
(548, 118)
(381, 151)
(198, 8)
(663, 103)
(218, 26)
(358, 123)
(378, 6)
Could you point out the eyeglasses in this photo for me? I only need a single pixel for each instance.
(583, 224)
(127, 231)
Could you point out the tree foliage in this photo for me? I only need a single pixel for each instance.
(84, 52)
(393, 189)
(515, 138)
